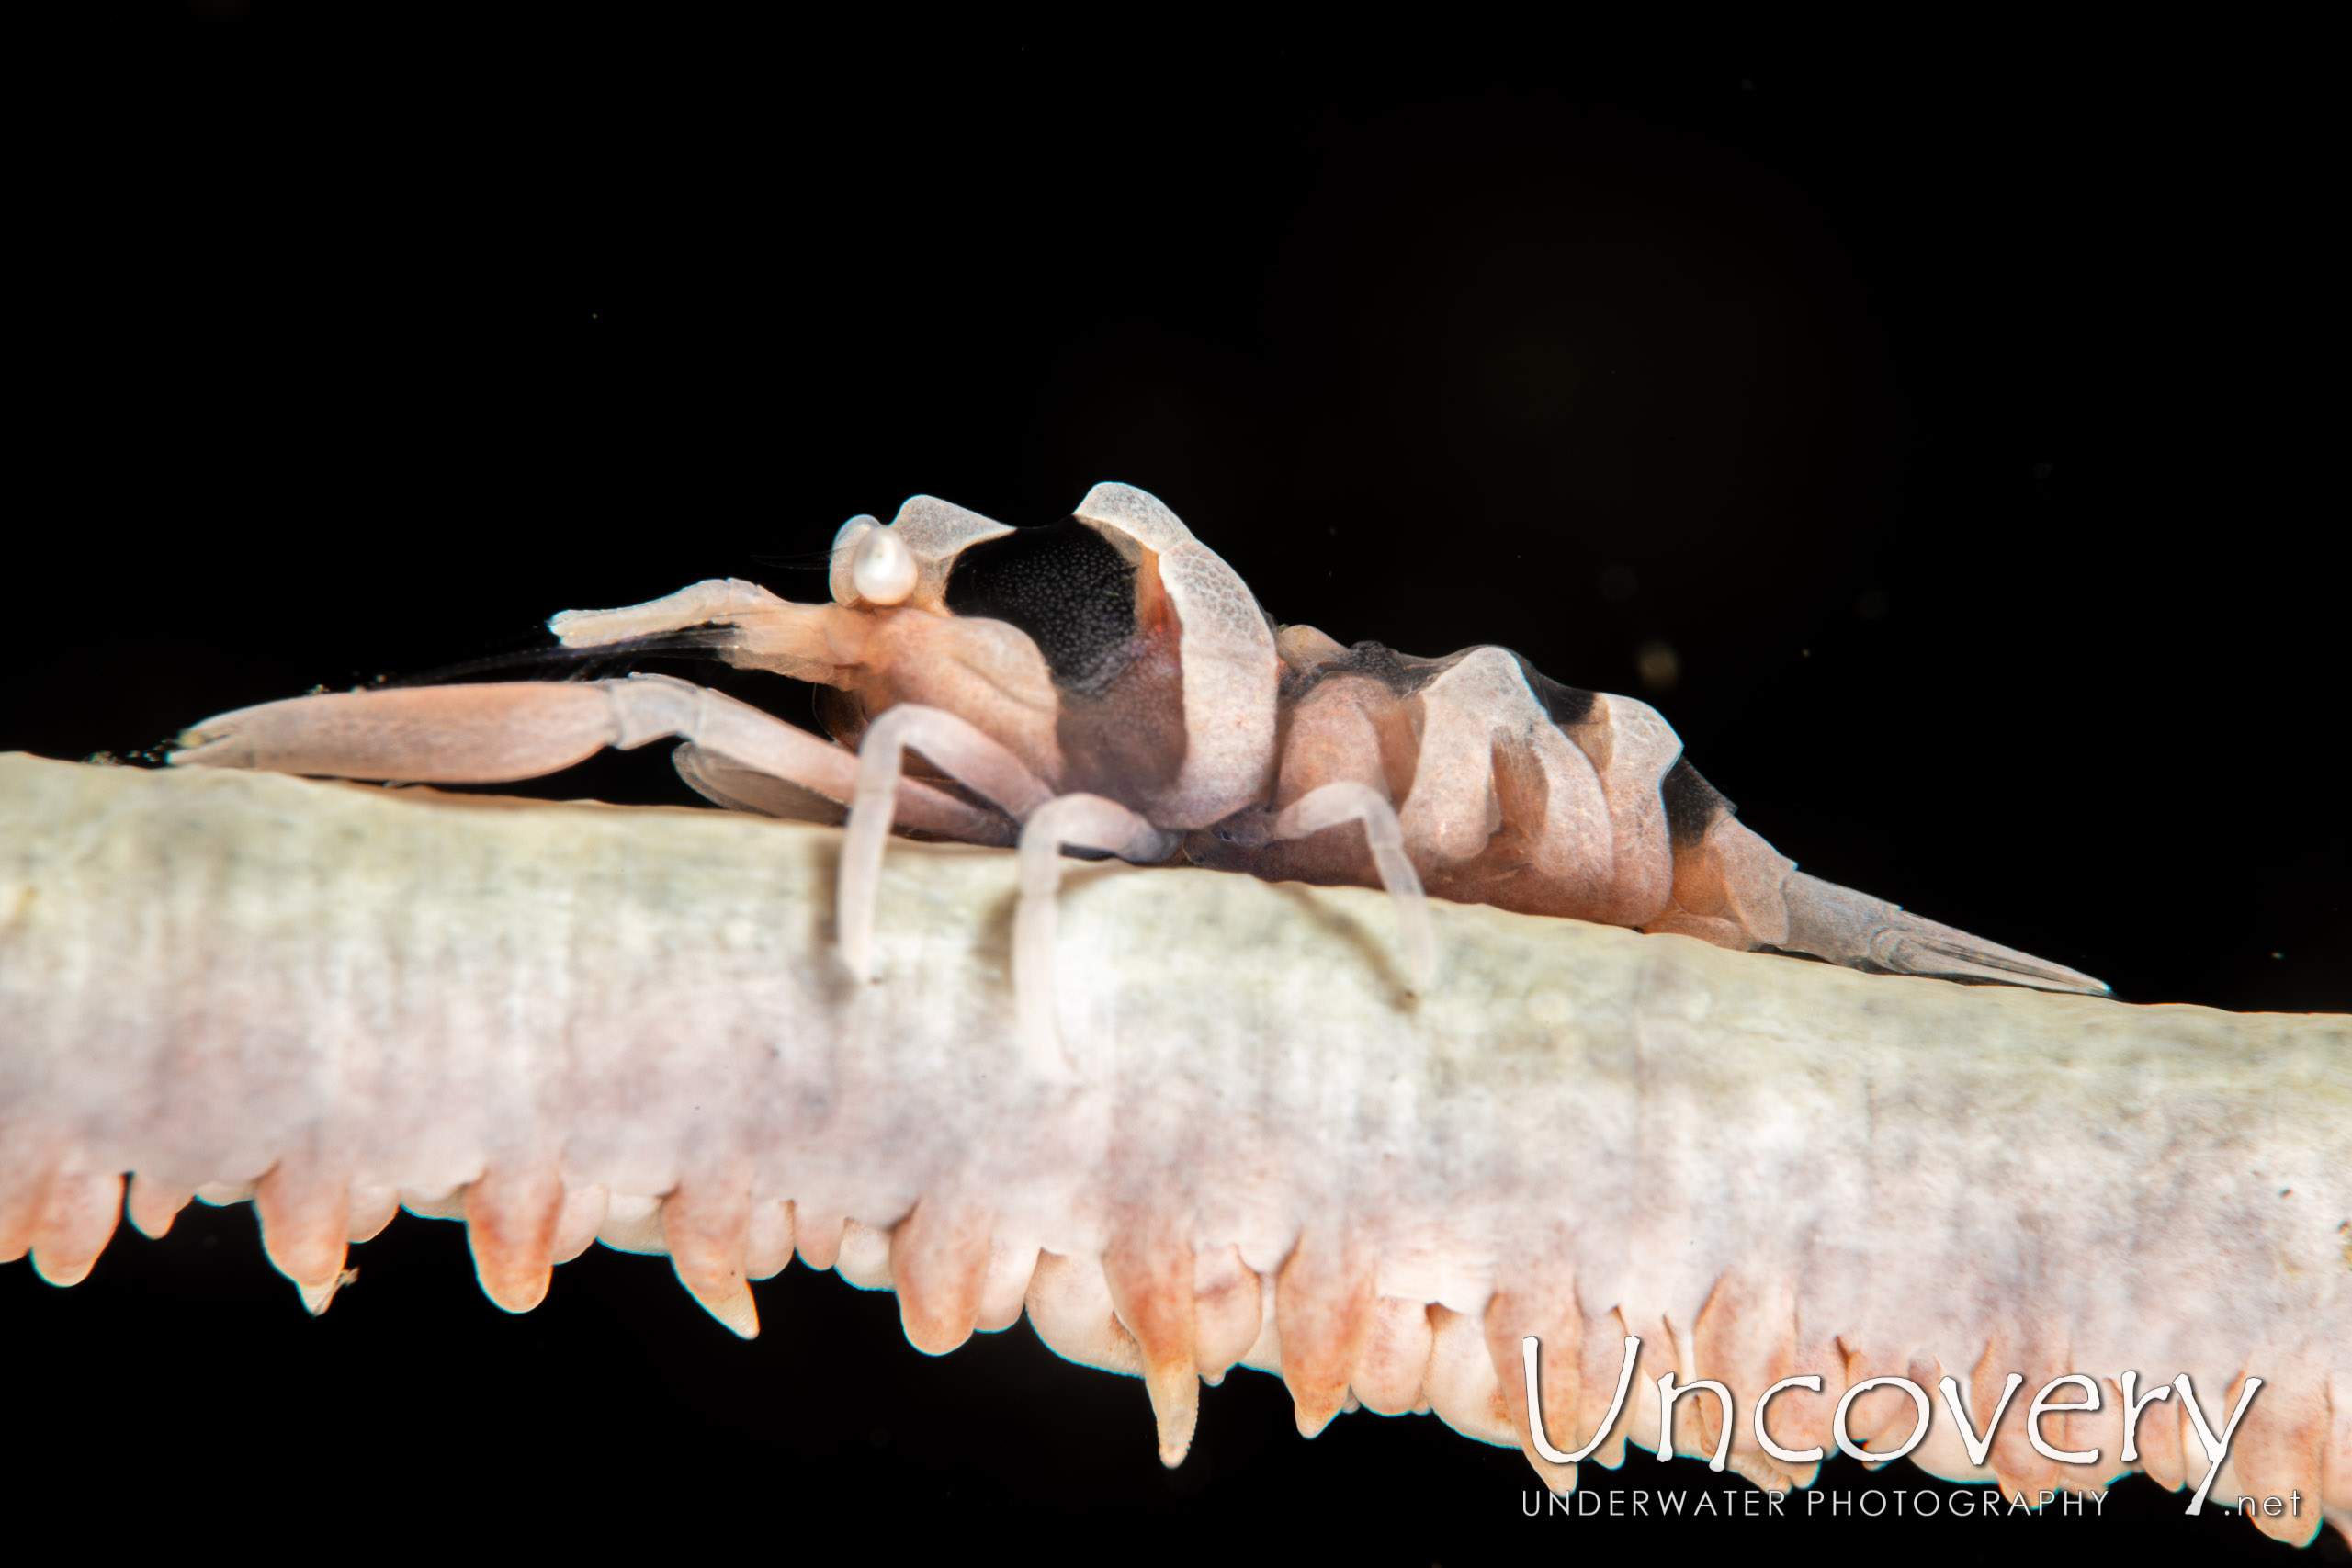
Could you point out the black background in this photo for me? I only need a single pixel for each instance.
(1955, 412)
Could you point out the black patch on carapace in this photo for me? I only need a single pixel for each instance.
(1063, 584)
(1691, 803)
(1565, 705)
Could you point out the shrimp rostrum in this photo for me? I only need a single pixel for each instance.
(1107, 684)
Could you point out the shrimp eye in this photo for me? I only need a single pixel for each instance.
(883, 569)
(871, 564)
(845, 557)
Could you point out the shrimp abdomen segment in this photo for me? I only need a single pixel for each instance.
(1499, 803)
(1515, 790)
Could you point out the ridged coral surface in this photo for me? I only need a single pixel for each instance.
(569, 1022)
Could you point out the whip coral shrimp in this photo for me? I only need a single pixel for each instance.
(1106, 683)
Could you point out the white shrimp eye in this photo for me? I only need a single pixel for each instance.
(842, 579)
(884, 569)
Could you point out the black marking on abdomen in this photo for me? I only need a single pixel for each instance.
(1064, 585)
(1404, 674)
(1691, 803)
(1566, 706)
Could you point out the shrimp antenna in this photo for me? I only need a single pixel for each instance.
(574, 663)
